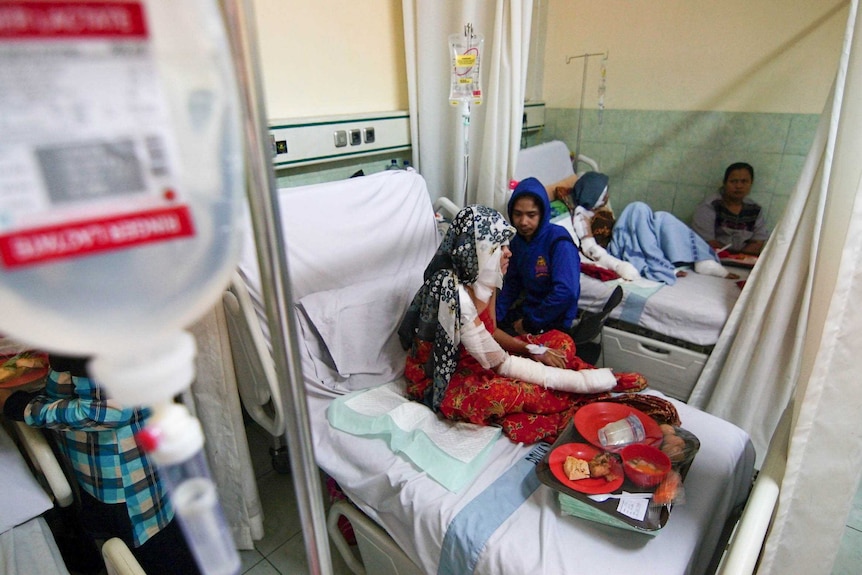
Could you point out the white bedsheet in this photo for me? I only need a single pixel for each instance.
(537, 538)
(694, 309)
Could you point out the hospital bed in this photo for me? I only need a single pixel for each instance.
(664, 332)
(356, 252)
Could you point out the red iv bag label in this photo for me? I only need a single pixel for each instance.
(88, 156)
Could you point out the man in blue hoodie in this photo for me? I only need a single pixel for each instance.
(542, 285)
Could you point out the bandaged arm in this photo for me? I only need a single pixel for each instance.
(485, 349)
(600, 255)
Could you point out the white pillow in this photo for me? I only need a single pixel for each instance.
(358, 326)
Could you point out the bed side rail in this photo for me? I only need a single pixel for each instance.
(746, 541)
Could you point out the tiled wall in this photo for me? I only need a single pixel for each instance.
(671, 160)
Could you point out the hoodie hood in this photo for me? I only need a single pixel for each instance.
(534, 188)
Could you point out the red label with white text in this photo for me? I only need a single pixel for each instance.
(72, 239)
(44, 20)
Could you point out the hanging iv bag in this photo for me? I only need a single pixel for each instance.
(466, 81)
(121, 173)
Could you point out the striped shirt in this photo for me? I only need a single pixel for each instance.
(712, 221)
(97, 436)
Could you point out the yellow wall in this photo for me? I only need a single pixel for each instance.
(331, 57)
(736, 55)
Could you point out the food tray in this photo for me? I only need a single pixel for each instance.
(612, 511)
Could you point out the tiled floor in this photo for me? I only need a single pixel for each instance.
(282, 549)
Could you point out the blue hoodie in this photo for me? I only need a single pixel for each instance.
(546, 270)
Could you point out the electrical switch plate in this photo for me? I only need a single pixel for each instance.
(355, 137)
(369, 135)
(340, 138)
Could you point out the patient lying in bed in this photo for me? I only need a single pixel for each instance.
(641, 242)
(457, 368)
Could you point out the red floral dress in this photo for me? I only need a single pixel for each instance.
(527, 412)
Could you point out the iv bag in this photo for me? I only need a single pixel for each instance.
(466, 82)
(121, 170)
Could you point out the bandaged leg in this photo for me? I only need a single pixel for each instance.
(583, 381)
(711, 268)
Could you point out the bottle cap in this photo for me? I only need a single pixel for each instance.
(177, 435)
(151, 374)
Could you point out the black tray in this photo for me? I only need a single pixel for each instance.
(580, 505)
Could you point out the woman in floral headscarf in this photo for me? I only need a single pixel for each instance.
(461, 366)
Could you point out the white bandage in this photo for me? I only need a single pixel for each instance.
(583, 381)
(482, 345)
(710, 268)
(600, 255)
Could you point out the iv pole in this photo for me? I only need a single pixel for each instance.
(586, 58)
(275, 283)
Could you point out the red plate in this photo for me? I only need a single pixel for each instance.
(29, 375)
(590, 485)
(594, 416)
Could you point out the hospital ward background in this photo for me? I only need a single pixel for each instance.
(661, 97)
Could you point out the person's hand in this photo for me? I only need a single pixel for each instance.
(552, 358)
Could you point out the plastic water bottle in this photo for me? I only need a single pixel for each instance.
(393, 165)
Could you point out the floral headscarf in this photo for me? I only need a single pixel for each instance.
(468, 255)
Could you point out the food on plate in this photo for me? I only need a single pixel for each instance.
(19, 364)
(672, 444)
(576, 468)
(601, 466)
(645, 466)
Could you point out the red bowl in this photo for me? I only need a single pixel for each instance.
(644, 465)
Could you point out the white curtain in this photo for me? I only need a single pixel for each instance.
(796, 334)
(486, 144)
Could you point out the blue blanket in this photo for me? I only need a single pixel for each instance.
(654, 242)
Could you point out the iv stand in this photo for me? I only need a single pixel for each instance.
(586, 58)
(465, 116)
(275, 283)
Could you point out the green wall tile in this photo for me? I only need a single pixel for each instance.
(674, 158)
(801, 135)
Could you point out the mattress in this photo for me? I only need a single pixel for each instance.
(690, 313)
(537, 538)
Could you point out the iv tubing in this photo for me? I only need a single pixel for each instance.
(275, 285)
